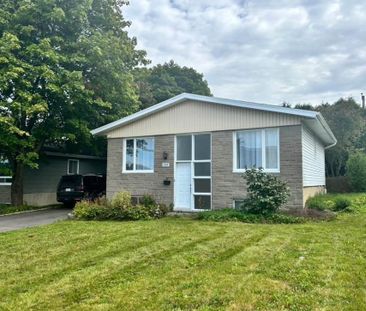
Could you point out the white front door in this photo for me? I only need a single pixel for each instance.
(183, 192)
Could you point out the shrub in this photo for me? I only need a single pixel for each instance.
(148, 200)
(121, 200)
(341, 203)
(266, 192)
(356, 170)
(359, 203)
(88, 210)
(320, 202)
(235, 215)
(324, 202)
(120, 208)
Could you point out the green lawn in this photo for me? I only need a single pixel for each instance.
(10, 209)
(185, 264)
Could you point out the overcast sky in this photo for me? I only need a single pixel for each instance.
(260, 50)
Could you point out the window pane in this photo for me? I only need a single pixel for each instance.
(202, 185)
(145, 154)
(238, 204)
(5, 180)
(202, 202)
(272, 149)
(184, 148)
(73, 167)
(202, 169)
(202, 147)
(129, 155)
(249, 149)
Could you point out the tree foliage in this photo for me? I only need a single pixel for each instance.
(161, 82)
(65, 67)
(347, 120)
(356, 170)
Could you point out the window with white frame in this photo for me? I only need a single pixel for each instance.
(257, 148)
(72, 167)
(138, 155)
(5, 180)
(5, 172)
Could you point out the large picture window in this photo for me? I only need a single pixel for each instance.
(138, 155)
(257, 148)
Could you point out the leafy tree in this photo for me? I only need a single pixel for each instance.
(304, 106)
(348, 123)
(161, 82)
(356, 170)
(65, 67)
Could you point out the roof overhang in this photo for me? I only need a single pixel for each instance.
(312, 119)
(72, 155)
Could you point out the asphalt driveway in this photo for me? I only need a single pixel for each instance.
(32, 219)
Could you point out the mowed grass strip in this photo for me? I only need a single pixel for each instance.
(185, 264)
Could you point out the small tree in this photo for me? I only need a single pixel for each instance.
(266, 192)
(356, 170)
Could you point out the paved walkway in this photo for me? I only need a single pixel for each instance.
(32, 219)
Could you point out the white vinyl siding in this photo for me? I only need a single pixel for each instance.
(313, 159)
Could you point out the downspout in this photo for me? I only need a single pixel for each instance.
(327, 129)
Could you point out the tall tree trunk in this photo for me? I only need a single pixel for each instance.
(17, 184)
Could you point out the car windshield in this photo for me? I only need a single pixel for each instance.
(70, 181)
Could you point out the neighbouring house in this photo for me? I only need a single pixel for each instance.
(40, 185)
(191, 151)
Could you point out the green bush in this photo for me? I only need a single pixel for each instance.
(235, 215)
(356, 171)
(88, 210)
(121, 200)
(120, 208)
(148, 200)
(266, 192)
(320, 202)
(341, 204)
(359, 203)
(324, 202)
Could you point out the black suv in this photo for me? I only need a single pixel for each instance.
(74, 188)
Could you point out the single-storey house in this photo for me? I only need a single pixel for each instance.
(40, 185)
(191, 151)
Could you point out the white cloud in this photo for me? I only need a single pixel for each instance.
(260, 50)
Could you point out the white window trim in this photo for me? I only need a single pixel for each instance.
(5, 183)
(263, 131)
(68, 166)
(134, 171)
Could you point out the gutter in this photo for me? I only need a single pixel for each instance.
(322, 121)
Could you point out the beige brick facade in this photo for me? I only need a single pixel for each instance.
(142, 183)
(226, 185)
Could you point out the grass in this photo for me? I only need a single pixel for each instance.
(229, 214)
(337, 201)
(185, 264)
(10, 209)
